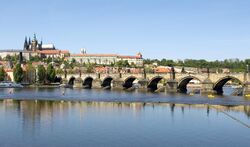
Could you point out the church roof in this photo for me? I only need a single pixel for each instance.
(54, 51)
(130, 57)
(93, 55)
(105, 55)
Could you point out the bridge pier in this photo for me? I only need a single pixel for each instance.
(64, 81)
(246, 89)
(143, 85)
(171, 86)
(97, 83)
(78, 83)
(207, 87)
(117, 84)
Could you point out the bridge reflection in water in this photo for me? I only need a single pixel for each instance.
(36, 123)
(32, 109)
(211, 83)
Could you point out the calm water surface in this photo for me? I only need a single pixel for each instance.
(54, 123)
(114, 96)
(39, 117)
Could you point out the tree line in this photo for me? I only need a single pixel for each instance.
(235, 65)
(42, 75)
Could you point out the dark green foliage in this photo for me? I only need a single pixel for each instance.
(30, 73)
(48, 60)
(41, 73)
(235, 65)
(59, 71)
(18, 73)
(35, 59)
(51, 73)
(90, 68)
(2, 74)
(122, 63)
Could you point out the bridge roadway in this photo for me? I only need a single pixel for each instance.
(173, 82)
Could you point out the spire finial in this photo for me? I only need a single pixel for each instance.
(34, 36)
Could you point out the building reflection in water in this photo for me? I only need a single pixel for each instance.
(33, 113)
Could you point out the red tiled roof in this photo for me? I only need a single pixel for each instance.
(54, 51)
(129, 57)
(105, 55)
(162, 70)
(8, 70)
(37, 63)
(3, 62)
(64, 51)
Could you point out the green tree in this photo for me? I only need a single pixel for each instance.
(90, 68)
(51, 73)
(122, 63)
(35, 58)
(18, 73)
(41, 73)
(73, 60)
(126, 64)
(2, 74)
(59, 71)
(8, 57)
(30, 73)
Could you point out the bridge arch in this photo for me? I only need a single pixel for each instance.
(218, 86)
(71, 81)
(153, 83)
(182, 83)
(128, 82)
(106, 83)
(87, 82)
(58, 79)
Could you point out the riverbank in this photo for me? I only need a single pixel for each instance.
(55, 85)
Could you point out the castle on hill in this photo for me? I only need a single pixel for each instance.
(34, 48)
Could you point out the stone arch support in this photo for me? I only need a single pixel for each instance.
(107, 82)
(183, 82)
(78, 83)
(218, 85)
(153, 83)
(128, 82)
(87, 82)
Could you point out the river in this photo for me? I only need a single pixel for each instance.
(77, 117)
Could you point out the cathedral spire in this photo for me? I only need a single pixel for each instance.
(41, 41)
(25, 46)
(34, 38)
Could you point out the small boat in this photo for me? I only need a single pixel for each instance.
(247, 95)
(9, 84)
(191, 93)
(210, 96)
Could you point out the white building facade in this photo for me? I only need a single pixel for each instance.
(106, 59)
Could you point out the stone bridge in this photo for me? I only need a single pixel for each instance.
(170, 82)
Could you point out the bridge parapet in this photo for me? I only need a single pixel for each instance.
(210, 81)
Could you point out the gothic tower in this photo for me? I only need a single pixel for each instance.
(34, 43)
(26, 45)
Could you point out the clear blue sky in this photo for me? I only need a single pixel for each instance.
(173, 29)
